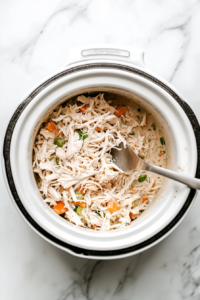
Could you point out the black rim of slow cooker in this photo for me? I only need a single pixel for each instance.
(6, 153)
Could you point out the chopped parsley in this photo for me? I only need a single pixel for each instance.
(153, 126)
(83, 135)
(162, 140)
(142, 178)
(76, 207)
(98, 213)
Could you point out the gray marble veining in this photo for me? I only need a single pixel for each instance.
(35, 36)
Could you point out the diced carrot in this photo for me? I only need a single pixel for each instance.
(120, 111)
(82, 190)
(161, 154)
(133, 147)
(113, 206)
(56, 133)
(153, 184)
(50, 126)
(145, 199)
(133, 216)
(82, 204)
(59, 208)
(98, 129)
(83, 109)
(94, 226)
(69, 188)
(79, 203)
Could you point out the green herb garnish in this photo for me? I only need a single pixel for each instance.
(57, 160)
(162, 140)
(133, 133)
(142, 178)
(59, 142)
(153, 126)
(83, 135)
(98, 213)
(76, 207)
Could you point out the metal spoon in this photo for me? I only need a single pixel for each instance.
(127, 160)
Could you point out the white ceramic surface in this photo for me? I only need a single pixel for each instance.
(34, 39)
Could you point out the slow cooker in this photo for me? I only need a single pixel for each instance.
(120, 71)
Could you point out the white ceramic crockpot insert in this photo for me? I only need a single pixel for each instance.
(95, 69)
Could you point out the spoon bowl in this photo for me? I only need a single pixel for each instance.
(127, 160)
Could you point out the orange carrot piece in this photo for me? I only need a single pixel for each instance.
(120, 111)
(153, 185)
(82, 204)
(145, 199)
(81, 190)
(83, 109)
(79, 203)
(59, 208)
(94, 226)
(50, 126)
(113, 206)
(161, 154)
(56, 133)
(98, 129)
(133, 216)
(68, 189)
(133, 147)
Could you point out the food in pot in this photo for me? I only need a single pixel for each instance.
(74, 170)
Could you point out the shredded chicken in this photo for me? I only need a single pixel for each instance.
(80, 172)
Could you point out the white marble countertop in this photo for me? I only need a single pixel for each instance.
(35, 36)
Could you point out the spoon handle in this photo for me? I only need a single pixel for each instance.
(186, 179)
